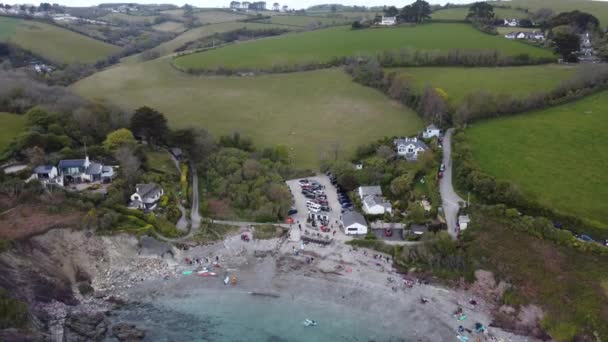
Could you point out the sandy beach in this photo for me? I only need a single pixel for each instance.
(335, 276)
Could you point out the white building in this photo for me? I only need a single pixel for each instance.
(511, 22)
(47, 174)
(431, 131)
(354, 223)
(388, 21)
(373, 203)
(410, 148)
(146, 196)
(463, 222)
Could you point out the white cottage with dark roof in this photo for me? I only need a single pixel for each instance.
(146, 196)
(410, 148)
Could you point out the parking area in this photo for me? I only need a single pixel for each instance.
(317, 196)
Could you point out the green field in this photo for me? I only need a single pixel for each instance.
(312, 113)
(513, 81)
(323, 45)
(170, 26)
(135, 19)
(162, 162)
(167, 48)
(213, 17)
(597, 8)
(558, 156)
(304, 21)
(460, 13)
(10, 126)
(54, 43)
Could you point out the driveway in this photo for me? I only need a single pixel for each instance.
(449, 197)
(182, 223)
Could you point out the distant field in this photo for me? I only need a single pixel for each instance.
(213, 17)
(310, 112)
(174, 13)
(460, 13)
(459, 82)
(504, 30)
(136, 19)
(57, 44)
(170, 26)
(205, 31)
(10, 127)
(597, 8)
(558, 156)
(349, 15)
(304, 21)
(322, 45)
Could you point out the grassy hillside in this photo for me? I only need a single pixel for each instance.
(310, 112)
(136, 19)
(213, 17)
(597, 8)
(322, 45)
(10, 126)
(205, 31)
(304, 21)
(558, 156)
(170, 26)
(460, 13)
(52, 42)
(459, 82)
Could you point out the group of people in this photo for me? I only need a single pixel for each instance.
(199, 261)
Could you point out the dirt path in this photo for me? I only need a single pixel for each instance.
(182, 223)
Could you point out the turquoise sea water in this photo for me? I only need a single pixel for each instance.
(231, 316)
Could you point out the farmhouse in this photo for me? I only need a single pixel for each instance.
(354, 223)
(388, 21)
(146, 196)
(373, 202)
(410, 148)
(511, 35)
(431, 131)
(511, 22)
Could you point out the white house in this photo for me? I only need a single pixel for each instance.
(354, 223)
(84, 170)
(431, 131)
(146, 196)
(538, 35)
(46, 174)
(388, 21)
(511, 22)
(463, 222)
(511, 35)
(522, 35)
(410, 148)
(373, 203)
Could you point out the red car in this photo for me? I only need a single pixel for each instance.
(440, 175)
(324, 229)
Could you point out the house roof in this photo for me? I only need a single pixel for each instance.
(107, 169)
(147, 190)
(432, 127)
(419, 228)
(414, 141)
(464, 219)
(370, 190)
(43, 169)
(71, 163)
(176, 151)
(94, 169)
(371, 201)
(351, 217)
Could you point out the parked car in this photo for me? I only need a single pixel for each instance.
(303, 181)
(347, 205)
(309, 195)
(325, 208)
(586, 238)
(440, 175)
(442, 167)
(292, 211)
(314, 210)
(388, 233)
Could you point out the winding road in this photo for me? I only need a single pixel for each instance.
(182, 223)
(449, 197)
(195, 217)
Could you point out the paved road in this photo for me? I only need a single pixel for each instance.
(195, 217)
(182, 223)
(449, 197)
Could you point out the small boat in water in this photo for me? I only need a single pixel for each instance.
(310, 322)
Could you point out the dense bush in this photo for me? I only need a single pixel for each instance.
(13, 313)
